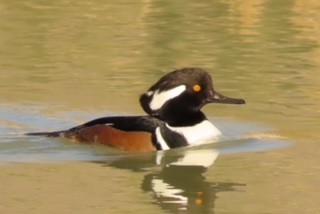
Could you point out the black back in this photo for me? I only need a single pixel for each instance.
(125, 123)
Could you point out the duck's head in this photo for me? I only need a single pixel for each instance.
(185, 90)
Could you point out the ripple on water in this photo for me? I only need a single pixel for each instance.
(16, 147)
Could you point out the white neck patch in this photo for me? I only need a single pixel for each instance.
(201, 133)
(160, 98)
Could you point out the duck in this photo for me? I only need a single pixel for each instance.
(173, 117)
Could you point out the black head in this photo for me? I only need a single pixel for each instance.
(182, 91)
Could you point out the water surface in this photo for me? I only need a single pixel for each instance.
(63, 63)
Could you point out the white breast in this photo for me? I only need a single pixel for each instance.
(201, 133)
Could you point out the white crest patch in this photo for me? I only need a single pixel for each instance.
(201, 133)
(149, 93)
(160, 98)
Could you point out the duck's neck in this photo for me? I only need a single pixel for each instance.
(181, 118)
(185, 129)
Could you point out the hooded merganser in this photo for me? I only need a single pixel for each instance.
(174, 119)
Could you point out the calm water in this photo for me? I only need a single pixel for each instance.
(63, 63)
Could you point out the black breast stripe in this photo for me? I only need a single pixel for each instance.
(172, 139)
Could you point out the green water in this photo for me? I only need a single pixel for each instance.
(63, 62)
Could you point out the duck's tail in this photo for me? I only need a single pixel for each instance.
(46, 134)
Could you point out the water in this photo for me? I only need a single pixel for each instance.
(63, 63)
(17, 147)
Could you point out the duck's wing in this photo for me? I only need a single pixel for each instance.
(133, 133)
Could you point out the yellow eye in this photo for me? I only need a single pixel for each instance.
(196, 88)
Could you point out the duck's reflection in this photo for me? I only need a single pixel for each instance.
(184, 188)
(180, 185)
